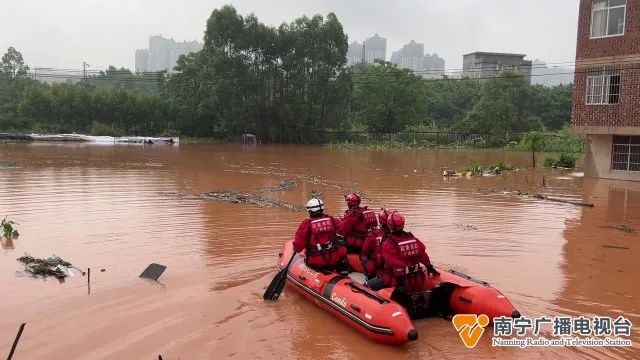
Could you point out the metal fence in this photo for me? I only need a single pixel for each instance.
(435, 137)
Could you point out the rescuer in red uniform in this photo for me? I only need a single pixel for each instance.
(372, 249)
(402, 255)
(356, 223)
(317, 235)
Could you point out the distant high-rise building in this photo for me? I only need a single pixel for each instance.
(433, 65)
(375, 48)
(410, 56)
(164, 53)
(142, 60)
(354, 53)
(486, 64)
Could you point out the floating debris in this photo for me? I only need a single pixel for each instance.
(466, 227)
(626, 228)
(51, 266)
(244, 198)
(347, 187)
(153, 271)
(565, 201)
(8, 165)
(451, 173)
(505, 192)
(615, 247)
(281, 186)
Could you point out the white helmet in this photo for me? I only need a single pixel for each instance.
(315, 205)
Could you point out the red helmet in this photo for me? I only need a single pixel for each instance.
(352, 200)
(383, 215)
(395, 221)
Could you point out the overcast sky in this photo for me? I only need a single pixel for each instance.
(63, 33)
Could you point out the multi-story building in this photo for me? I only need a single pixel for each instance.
(606, 95)
(482, 65)
(354, 53)
(375, 48)
(410, 56)
(163, 53)
(433, 66)
(142, 60)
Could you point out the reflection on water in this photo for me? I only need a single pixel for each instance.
(105, 207)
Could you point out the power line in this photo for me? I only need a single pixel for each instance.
(247, 79)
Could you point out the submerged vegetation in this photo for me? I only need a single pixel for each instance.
(476, 169)
(288, 84)
(8, 230)
(563, 161)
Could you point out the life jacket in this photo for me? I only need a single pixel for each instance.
(370, 218)
(324, 250)
(323, 236)
(410, 274)
(366, 219)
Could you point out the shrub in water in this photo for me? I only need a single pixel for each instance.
(564, 161)
(7, 229)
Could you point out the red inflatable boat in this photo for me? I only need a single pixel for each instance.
(374, 313)
(458, 293)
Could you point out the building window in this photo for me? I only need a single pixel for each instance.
(603, 85)
(607, 17)
(626, 153)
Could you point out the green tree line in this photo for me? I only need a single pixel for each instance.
(289, 83)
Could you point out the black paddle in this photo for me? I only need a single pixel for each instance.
(277, 284)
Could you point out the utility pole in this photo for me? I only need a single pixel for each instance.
(84, 70)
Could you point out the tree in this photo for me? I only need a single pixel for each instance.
(502, 109)
(387, 98)
(285, 84)
(449, 100)
(533, 141)
(12, 64)
(552, 105)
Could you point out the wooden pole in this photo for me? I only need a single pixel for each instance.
(15, 342)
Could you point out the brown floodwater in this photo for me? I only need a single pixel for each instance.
(114, 208)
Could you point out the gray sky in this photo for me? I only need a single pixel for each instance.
(63, 33)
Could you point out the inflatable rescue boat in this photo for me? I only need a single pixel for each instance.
(453, 292)
(375, 313)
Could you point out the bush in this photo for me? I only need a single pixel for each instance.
(563, 161)
(567, 161)
(550, 162)
(473, 168)
(8, 231)
(500, 167)
(100, 129)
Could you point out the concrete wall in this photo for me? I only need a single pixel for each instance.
(597, 162)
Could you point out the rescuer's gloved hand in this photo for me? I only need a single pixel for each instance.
(432, 271)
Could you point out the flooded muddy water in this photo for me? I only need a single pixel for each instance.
(122, 208)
